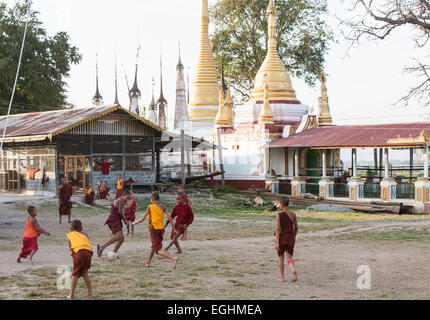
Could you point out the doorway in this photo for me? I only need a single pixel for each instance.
(77, 172)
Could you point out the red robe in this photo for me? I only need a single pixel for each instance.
(65, 204)
(105, 166)
(184, 217)
(103, 194)
(89, 197)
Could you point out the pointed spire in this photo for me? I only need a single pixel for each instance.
(161, 99)
(179, 65)
(153, 106)
(205, 93)
(162, 102)
(135, 88)
(279, 79)
(324, 116)
(135, 93)
(116, 82)
(181, 121)
(97, 99)
(266, 114)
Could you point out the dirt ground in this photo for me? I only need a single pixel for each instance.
(230, 255)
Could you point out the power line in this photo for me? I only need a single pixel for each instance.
(16, 77)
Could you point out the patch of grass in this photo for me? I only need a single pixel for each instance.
(403, 234)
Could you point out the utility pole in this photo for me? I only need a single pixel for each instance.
(183, 157)
(221, 160)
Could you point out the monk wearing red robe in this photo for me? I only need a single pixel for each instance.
(90, 195)
(65, 192)
(286, 233)
(184, 218)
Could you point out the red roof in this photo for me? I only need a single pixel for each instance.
(360, 136)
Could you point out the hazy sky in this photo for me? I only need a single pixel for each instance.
(362, 87)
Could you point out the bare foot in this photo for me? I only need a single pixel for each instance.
(294, 277)
(281, 280)
(30, 261)
(175, 263)
(178, 252)
(147, 265)
(18, 260)
(90, 295)
(70, 297)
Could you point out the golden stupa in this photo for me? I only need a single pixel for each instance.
(266, 114)
(278, 78)
(324, 116)
(205, 84)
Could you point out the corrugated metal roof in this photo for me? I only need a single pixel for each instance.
(42, 125)
(360, 136)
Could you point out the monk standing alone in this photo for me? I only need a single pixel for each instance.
(65, 192)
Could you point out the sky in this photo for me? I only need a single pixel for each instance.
(362, 87)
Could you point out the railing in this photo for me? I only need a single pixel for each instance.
(372, 190)
(405, 191)
(341, 190)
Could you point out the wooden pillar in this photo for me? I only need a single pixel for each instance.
(123, 156)
(375, 159)
(91, 159)
(380, 162)
(56, 175)
(154, 155)
(411, 164)
(18, 170)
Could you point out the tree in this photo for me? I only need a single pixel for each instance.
(45, 64)
(378, 19)
(240, 38)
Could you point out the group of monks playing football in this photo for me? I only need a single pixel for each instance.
(123, 209)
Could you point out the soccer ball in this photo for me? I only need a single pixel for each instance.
(112, 256)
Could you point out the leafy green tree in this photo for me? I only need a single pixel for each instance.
(45, 64)
(240, 38)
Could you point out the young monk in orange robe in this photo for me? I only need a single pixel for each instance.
(82, 253)
(119, 187)
(155, 213)
(32, 232)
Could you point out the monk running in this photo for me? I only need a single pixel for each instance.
(286, 232)
(130, 214)
(155, 213)
(32, 232)
(114, 222)
(65, 192)
(82, 253)
(181, 191)
(184, 218)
